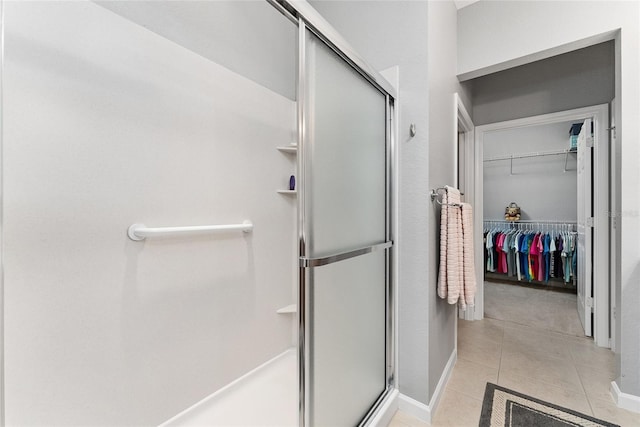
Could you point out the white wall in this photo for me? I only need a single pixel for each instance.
(248, 37)
(106, 124)
(419, 37)
(559, 27)
(499, 34)
(539, 185)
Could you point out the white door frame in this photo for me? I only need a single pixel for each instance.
(463, 124)
(615, 222)
(600, 116)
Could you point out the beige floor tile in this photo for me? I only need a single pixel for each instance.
(596, 382)
(597, 387)
(470, 378)
(401, 419)
(552, 370)
(508, 307)
(481, 331)
(562, 369)
(529, 340)
(606, 409)
(457, 410)
(603, 371)
(396, 423)
(485, 352)
(572, 399)
(585, 352)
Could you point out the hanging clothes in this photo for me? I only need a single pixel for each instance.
(547, 256)
(531, 255)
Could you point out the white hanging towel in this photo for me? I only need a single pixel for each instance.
(442, 271)
(456, 276)
(450, 275)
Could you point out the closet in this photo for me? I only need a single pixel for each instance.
(539, 169)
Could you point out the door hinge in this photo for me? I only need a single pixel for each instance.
(590, 222)
(589, 302)
(590, 140)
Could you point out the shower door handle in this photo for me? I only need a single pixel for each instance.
(320, 261)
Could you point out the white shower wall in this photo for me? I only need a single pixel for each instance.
(106, 124)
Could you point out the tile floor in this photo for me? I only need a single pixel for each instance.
(557, 367)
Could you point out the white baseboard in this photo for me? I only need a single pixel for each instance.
(420, 410)
(414, 408)
(626, 401)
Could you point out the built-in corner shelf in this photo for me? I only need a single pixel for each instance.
(290, 309)
(291, 149)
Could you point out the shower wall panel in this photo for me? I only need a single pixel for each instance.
(105, 124)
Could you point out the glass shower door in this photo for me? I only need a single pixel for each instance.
(344, 242)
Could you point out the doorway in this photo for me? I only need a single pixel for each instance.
(592, 219)
(464, 155)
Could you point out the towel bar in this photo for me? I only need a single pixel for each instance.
(434, 196)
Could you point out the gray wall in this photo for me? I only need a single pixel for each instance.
(420, 37)
(442, 41)
(539, 185)
(577, 79)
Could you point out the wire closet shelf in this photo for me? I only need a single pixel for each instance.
(531, 225)
(513, 157)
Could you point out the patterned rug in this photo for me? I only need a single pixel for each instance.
(506, 408)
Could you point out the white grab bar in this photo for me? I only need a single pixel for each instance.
(140, 231)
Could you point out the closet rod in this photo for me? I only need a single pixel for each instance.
(528, 224)
(530, 221)
(527, 155)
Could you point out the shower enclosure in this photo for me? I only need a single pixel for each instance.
(157, 266)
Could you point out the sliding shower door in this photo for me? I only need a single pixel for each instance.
(345, 238)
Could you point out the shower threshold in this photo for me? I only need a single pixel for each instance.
(266, 396)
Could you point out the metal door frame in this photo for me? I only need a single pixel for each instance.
(307, 18)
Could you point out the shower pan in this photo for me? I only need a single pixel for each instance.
(158, 269)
